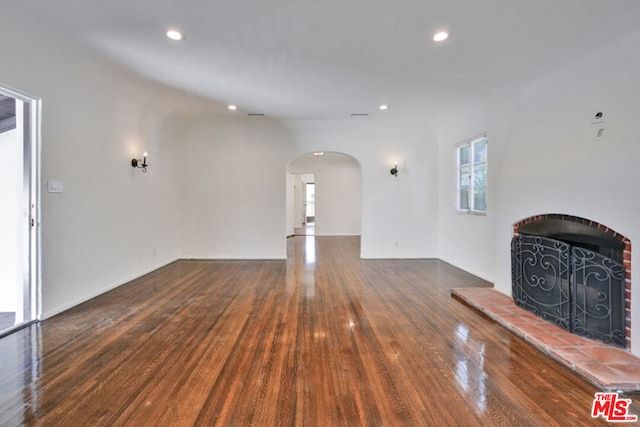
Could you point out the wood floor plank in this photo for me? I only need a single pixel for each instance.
(323, 338)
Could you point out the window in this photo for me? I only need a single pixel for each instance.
(472, 175)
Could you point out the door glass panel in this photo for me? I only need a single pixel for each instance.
(17, 198)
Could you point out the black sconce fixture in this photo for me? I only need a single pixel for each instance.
(140, 164)
(394, 170)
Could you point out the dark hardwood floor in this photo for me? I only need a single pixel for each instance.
(323, 339)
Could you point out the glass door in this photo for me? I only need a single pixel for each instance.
(19, 197)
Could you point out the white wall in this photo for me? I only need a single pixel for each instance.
(467, 241)
(295, 205)
(543, 158)
(233, 167)
(111, 223)
(338, 183)
(290, 204)
(232, 188)
(398, 214)
(554, 165)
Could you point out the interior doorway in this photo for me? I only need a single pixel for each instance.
(305, 204)
(19, 217)
(329, 184)
(309, 203)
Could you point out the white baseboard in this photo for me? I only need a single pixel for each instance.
(463, 268)
(233, 258)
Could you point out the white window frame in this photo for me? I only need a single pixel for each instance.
(471, 143)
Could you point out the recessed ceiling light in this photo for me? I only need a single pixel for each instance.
(441, 36)
(384, 107)
(318, 153)
(175, 35)
(232, 107)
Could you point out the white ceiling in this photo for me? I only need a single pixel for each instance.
(331, 58)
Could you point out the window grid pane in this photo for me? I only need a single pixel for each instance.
(480, 187)
(472, 176)
(464, 155)
(464, 177)
(479, 175)
(480, 151)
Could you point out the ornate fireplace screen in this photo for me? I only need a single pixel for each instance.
(577, 289)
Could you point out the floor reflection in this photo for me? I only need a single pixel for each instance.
(338, 341)
(309, 270)
(310, 250)
(20, 356)
(470, 373)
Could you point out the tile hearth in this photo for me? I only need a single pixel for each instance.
(608, 368)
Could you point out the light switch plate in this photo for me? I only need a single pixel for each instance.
(54, 186)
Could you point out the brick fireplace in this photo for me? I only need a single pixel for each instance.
(582, 230)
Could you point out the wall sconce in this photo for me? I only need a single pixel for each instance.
(394, 170)
(140, 164)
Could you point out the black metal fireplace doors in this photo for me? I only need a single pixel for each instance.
(577, 289)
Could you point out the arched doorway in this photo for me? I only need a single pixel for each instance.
(337, 201)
